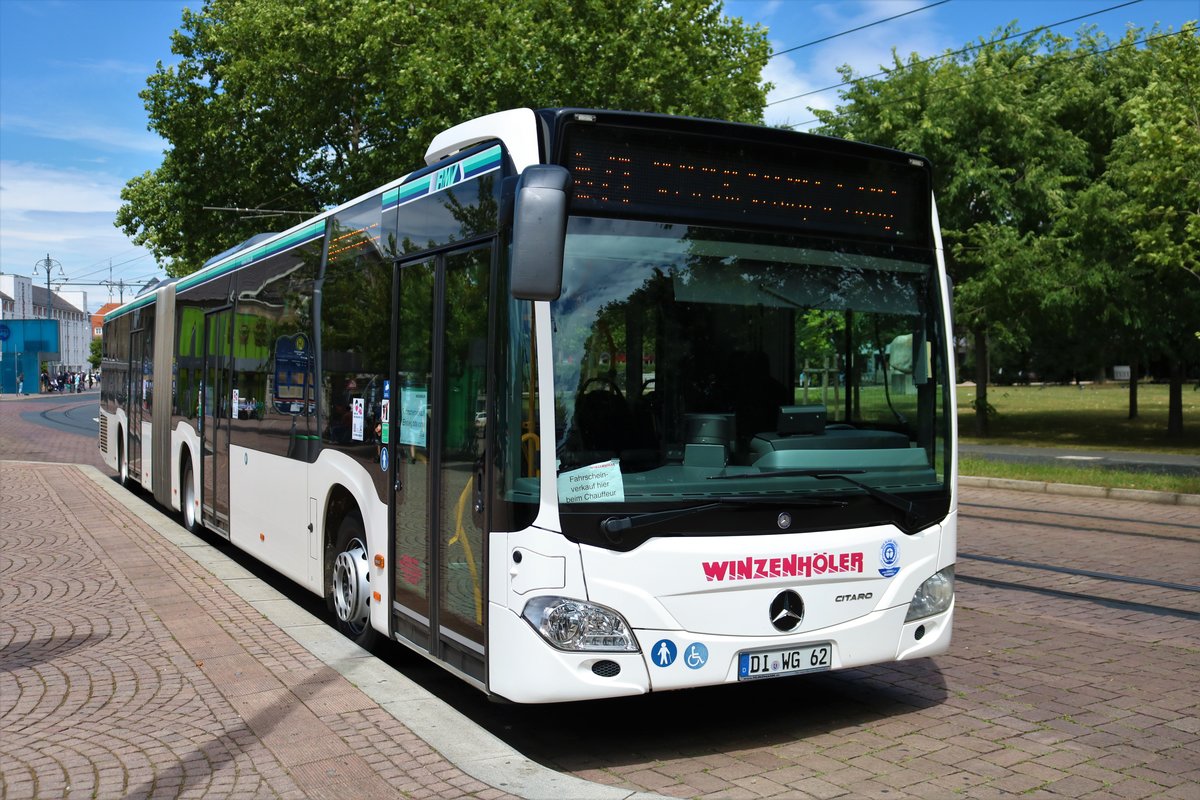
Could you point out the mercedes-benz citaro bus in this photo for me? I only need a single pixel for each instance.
(593, 404)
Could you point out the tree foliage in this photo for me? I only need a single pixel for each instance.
(1066, 185)
(1065, 168)
(1153, 167)
(281, 105)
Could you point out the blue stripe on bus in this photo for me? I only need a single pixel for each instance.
(302, 236)
(444, 178)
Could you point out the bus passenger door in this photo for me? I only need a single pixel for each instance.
(139, 356)
(438, 512)
(216, 400)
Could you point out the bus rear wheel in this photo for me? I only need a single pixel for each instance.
(348, 588)
(122, 462)
(187, 498)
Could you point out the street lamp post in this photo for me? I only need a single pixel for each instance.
(48, 264)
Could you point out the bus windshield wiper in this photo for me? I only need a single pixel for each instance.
(887, 498)
(613, 526)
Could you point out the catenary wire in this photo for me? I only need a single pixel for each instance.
(861, 28)
(1018, 34)
(1021, 71)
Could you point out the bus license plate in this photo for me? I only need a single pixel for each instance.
(784, 661)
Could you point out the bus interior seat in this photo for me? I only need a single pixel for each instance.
(603, 420)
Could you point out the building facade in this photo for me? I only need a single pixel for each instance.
(29, 301)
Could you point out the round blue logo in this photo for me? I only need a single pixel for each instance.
(695, 656)
(383, 459)
(889, 558)
(663, 653)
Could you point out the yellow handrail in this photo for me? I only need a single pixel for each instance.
(466, 544)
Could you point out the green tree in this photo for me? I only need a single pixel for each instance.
(276, 104)
(94, 355)
(1155, 185)
(989, 121)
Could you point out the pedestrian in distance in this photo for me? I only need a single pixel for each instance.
(20, 383)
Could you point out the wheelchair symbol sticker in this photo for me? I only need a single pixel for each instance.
(696, 656)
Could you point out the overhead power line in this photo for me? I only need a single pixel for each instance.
(1016, 35)
(1023, 70)
(260, 211)
(859, 28)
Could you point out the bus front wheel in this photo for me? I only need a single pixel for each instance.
(348, 587)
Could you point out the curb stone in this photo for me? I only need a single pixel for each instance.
(1075, 490)
(473, 750)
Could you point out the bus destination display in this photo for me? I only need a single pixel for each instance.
(667, 175)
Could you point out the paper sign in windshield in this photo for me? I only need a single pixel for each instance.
(597, 483)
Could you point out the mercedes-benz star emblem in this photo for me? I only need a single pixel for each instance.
(787, 610)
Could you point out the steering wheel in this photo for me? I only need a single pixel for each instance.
(608, 384)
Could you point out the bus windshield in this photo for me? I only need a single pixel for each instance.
(684, 354)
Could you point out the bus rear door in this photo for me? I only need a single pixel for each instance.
(217, 409)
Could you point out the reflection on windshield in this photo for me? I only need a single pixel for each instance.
(681, 353)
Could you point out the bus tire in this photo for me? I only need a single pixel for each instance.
(122, 462)
(348, 583)
(187, 498)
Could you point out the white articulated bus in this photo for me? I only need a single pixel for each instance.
(594, 404)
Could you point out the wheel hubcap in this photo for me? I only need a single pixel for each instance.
(352, 586)
(189, 507)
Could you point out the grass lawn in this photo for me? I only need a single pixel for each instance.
(1082, 476)
(1094, 416)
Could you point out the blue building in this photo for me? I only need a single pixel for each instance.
(25, 344)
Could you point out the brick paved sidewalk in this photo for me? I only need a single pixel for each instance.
(122, 677)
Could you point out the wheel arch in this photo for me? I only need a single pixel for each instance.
(183, 455)
(340, 503)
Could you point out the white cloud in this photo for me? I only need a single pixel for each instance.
(789, 81)
(812, 68)
(107, 67)
(67, 214)
(102, 137)
(28, 187)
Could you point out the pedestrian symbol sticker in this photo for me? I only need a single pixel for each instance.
(663, 653)
(696, 655)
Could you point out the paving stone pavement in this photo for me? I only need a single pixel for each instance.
(128, 670)
(1065, 679)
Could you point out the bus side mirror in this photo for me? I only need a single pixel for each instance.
(539, 232)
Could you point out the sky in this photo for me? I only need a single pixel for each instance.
(73, 130)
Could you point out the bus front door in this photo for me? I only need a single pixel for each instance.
(439, 506)
(216, 400)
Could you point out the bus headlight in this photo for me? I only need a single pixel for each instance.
(933, 596)
(577, 625)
